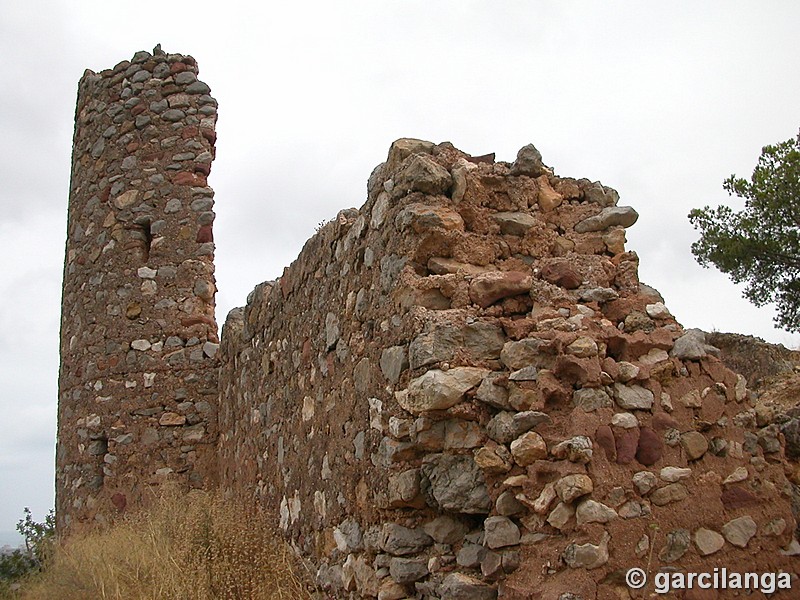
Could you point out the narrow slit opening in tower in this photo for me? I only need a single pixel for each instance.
(142, 236)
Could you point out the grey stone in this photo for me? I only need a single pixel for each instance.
(434, 346)
(708, 541)
(673, 474)
(529, 162)
(505, 426)
(599, 194)
(625, 420)
(634, 509)
(739, 531)
(791, 432)
(692, 346)
(694, 444)
(632, 397)
(676, 545)
(198, 87)
(455, 483)
(528, 448)
(439, 390)
(470, 555)
(492, 564)
(185, 78)
(400, 541)
(159, 106)
(587, 556)
(140, 76)
(591, 511)
(402, 149)
(422, 174)
(446, 529)
(598, 294)
(457, 586)
(348, 536)
(674, 492)
(393, 362)
(523, 353)
(422, 217)
(644, 481)
(577, 449)
(408, 570)
(514, 223)
(500, 532)
(331, 330)
(173, 115)
(612, 216)
(507, 504)
(491, 393)
(571, 487)
(98, 147)
(524, 374)
(560, 515)
(590, 399)
(404, 488)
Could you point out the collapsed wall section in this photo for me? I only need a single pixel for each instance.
(463, 390)
(137, 383)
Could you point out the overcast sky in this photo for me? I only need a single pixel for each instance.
(661, 101)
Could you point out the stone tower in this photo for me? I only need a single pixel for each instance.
(137, 382)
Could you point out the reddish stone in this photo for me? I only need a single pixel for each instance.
(138, 109)
(517, 329)
(203, 168)
(553, 393)
(486, 289)
(616, 310)
(627, 443)
(102, 364)
(119, 501)
(736, 497)
(188, 133)
(177, 67)
(192, 179)
(205, 234)
(209, 134)
(483, 159)
(113, 361)
(605, 439)
(561, 273)
(574, 370)
(132, 147)
(286, 287)
(198, 320)
(663, 421)
(651, 448)
(152, 157)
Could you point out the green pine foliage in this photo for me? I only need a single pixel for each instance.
(759, 245)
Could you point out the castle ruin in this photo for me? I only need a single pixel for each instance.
(459, 390)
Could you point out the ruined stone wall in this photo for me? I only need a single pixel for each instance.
(137, 384)
(462, 390)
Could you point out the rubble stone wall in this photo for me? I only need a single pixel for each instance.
(137, 384)
(462, 390)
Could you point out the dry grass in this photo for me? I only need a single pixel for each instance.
(187, 547)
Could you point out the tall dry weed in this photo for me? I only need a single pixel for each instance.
(195, 546)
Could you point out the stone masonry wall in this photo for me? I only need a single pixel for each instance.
(462, 390)
(137, 384)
